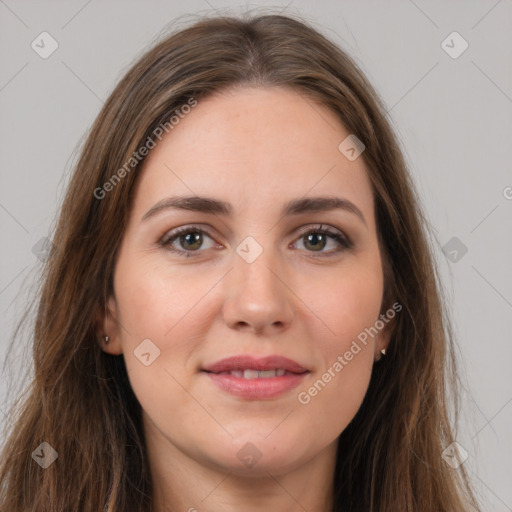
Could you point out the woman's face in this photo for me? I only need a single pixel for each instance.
(257, 281)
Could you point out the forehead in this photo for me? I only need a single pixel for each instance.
(254, 146)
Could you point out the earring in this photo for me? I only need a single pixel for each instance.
(383, 351)
(107, 339)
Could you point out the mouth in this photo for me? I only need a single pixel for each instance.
(255, 374)
(256, 379)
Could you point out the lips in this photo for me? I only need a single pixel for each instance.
(256, 379)
(263, 366)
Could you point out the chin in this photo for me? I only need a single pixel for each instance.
(257, 453)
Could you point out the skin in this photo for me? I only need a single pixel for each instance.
(256, 148)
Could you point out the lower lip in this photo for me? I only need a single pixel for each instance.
(257, 389)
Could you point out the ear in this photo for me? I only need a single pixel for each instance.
(107, 324)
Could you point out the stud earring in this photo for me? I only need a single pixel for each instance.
(383, 351)
(107, 339)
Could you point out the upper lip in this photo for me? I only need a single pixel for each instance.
(247, 362)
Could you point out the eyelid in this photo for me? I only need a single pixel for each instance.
(320, 227)
(184, 229)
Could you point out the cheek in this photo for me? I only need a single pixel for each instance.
(159, 325)
(349, 304)
(155, 302)
(347, 301)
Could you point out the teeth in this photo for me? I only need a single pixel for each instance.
(255, 374)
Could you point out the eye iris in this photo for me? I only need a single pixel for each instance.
(194, 237)
(316, 237)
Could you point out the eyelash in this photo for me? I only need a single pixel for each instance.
(168, 238)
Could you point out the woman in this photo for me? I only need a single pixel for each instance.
(240, 310)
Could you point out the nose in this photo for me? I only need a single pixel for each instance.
(258, 299)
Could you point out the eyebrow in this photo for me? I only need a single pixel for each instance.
(217, 207)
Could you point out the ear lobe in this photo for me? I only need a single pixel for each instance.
(383, 339)
(107, 325)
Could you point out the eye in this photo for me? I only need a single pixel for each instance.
(189, 238)
(316, 239)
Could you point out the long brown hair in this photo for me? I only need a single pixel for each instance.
(80, 401)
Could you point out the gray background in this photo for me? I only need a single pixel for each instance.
(453, 118)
